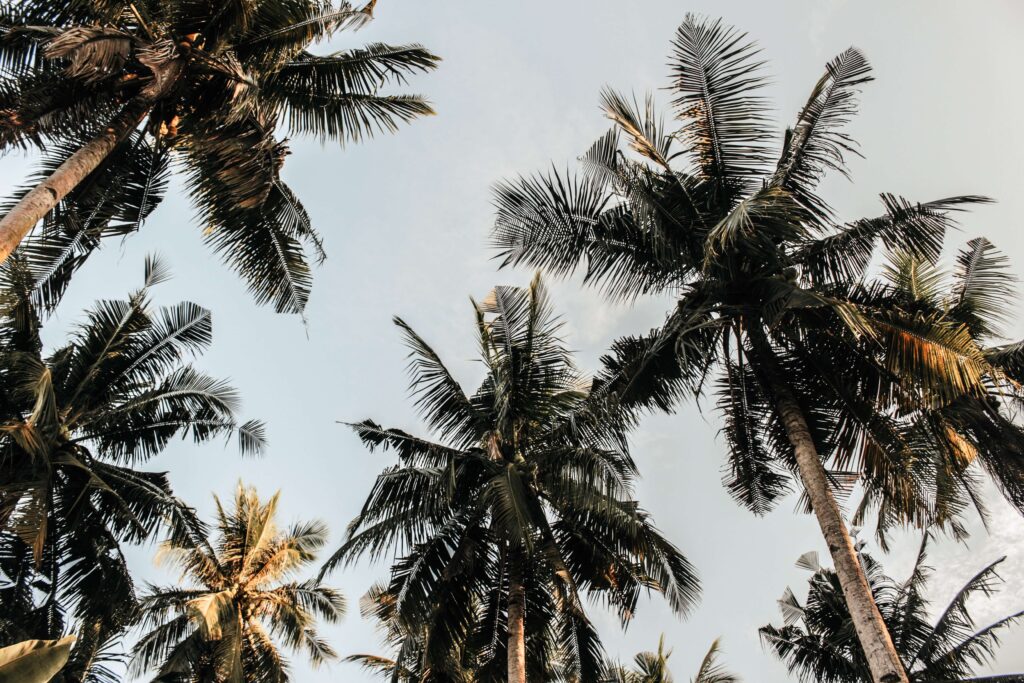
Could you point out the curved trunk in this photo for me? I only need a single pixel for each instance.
(875, 641)
(41, 199)
(516, 623)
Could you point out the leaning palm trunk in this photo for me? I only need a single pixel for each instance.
(516, 626)
(41, 199)
(875, 641)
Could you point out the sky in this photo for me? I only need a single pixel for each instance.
(405, 220)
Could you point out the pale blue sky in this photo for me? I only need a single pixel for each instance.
(406, 218)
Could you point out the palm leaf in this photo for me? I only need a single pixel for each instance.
(715, 78)
(34, 661)
(645, 132)
(439, 396)
(356, 71)
(914, 229)
(982, 286)
(817, 142)
(711, 671)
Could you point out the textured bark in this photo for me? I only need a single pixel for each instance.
(24, 216)
(516, 624)
(872, 632)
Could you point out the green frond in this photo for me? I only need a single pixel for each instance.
(547, 221)
(439, 397)
(755, 477)
(345, 117)
(269, 247)
(24, 30)
(754, 226)
(362, 70)
(711, 671)
(601, 160)
(914, 229)
(313, 21)
(715, 77)
(914, 280)
(982, 286)
(817, 143)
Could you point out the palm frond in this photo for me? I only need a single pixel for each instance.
(938, 356)
(347, 116)
(982, 286)
(754, 476)
(361, 71)
(438, 395)
(92, 53)
(914, 229)
(645, 132)
(716, 76)
(547, 221)
(817, 143)
(711, 671)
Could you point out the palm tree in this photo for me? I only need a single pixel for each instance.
(652, 667)
(240, 597)
(75, 423)
(521, 505)
(113, 92)
(818, 644)
(409, 643)
(769, 291)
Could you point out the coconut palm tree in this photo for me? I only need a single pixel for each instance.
(409, 643)
(818, 644)
(75, 424)
(652, 667)
(240, 602)
(521, 506)
(814, 375)
(115, 91)
(414, 657)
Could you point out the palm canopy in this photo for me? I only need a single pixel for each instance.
(817, 642)
(408, 644)
(770, 284)
(75, 423)
(528, 488)
(411, 656)
(240, 598)
(652, 667)
(221, 82)
(947, 442)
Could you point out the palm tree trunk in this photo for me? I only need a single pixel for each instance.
(516, 622)
(883, 660)
(39, 201)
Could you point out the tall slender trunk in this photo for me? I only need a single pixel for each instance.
(875, 641)
(39, 201)
(516, 621)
